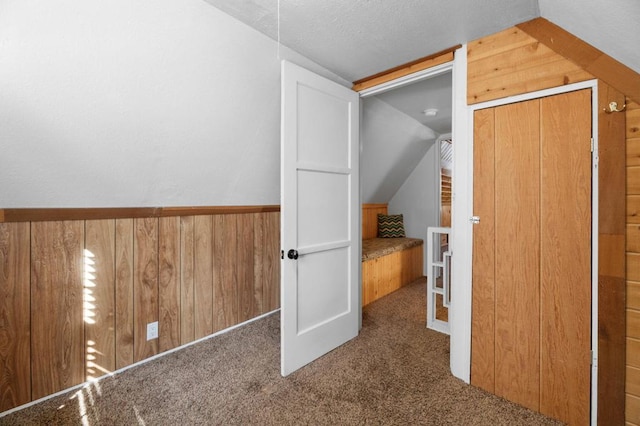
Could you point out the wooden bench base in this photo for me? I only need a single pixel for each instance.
(386, 274)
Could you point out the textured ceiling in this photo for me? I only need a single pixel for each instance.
(413, 99)
(357, 38)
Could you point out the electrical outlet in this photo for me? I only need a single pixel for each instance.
(152, 330)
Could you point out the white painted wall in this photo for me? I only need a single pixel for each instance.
(417, 198)
(137, 103)
(393, 144)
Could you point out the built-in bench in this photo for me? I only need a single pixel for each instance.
(387, 263)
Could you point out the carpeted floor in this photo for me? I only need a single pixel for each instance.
(396, 372)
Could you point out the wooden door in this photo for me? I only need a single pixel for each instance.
(320, 216)
(531, 303)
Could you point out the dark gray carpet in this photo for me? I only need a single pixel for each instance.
(395, 373)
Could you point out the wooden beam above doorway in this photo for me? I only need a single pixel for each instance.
(437, 58)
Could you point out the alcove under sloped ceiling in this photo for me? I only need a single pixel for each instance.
(396, 134)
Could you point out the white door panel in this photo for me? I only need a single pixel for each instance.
(319, 213)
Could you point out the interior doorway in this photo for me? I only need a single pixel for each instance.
(405, 125)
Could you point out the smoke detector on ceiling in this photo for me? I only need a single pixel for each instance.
(430, 112)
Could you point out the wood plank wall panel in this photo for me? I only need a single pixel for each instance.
(245, 259)
(632, 134)
(187, 267)
(483, 268)
(259, 258)
(145, 285)
(169, 283)
(517, 285)
(15, 300)
(124, 292)
(565, 261)
(193, 274)
(272, 262)
(227, 247)
(611, 259)
(511, 62)
(99, 295)
(57, 332)
(370, 219)
(203, 276)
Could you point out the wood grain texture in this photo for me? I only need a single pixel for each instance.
(370, 219)
(517, 227)
(633, 323)
(611, 252)
(633, 352)
(586, 56)
(633, 295)
(384, 275)
(260, 284)
(168, 283)
(15, 300)
(611, 258)
(91, 287)
(511, 62)
(99, 297)
(226, 249)
(187, 268)
(565, 263)
(272, 261)
(632, 119)
(611, 153)
(633, 208)
(633, 180)
(203, 276)
(95, 213)
(57, 332)
(145, 290)
(124, 292)
(484, 248)
(409, 68)
(247, 297)
(632, 409)
(633, 378)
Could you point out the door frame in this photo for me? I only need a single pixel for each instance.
(446, 67)
(463, 284)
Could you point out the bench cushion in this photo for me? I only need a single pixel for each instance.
(378, 247)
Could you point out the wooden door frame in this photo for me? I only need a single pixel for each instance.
(463, 328)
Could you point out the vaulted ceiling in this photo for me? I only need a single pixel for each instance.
(357, 38)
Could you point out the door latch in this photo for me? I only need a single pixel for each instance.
(292, 254)
(474, 219)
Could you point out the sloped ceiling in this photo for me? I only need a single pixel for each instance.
(358, 38)
(611, 26)
(393, 143)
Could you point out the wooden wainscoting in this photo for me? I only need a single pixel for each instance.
(76, 295)
(370, 219)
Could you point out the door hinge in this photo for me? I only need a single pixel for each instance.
(474, 219)
(592, 143)
(281, 254)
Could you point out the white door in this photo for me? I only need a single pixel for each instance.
(320, 216)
